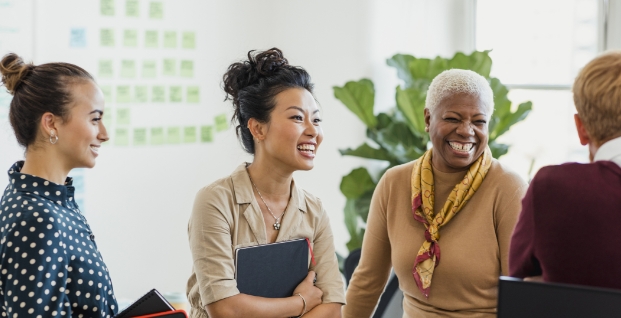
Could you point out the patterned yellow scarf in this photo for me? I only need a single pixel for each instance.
(422, 206)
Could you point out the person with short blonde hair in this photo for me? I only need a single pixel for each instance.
(568, 228)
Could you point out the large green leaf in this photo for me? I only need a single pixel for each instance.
(401, 142)
(402, 63)
(356, 233)
(510, 119)
(481, 63)
(366, 151)
(437, 66)
(419, 68)
(498, 149)
(359, 97)
(356, 183)
(411, 103)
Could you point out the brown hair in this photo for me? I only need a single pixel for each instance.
(597, 96)
(37, 90)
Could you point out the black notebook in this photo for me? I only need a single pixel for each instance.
(151, 303)
(271, 270)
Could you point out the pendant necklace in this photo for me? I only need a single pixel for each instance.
(277, 223)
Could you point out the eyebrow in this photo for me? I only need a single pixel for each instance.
(96, 111)
(300, 109)
(479, 114)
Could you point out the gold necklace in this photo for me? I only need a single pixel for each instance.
(277, 223)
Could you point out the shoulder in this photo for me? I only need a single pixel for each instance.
(504, 179)
(399, 174)
(568, 174)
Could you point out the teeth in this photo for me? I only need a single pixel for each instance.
(95, 149)
(460, 146)
(306, 147)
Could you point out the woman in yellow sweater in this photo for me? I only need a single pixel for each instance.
(443, 221)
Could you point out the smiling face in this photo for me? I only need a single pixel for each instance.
(293, 134)
(458, 131)
(80, 137)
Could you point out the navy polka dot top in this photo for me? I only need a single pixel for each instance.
(49, 262)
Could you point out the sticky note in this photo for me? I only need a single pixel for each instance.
(123, 116)
(206, 133)
(173, 135)
(107, 118)
(151, 39)
(123, 94)
(141, 94)
(132, 8)
(106, 7)
(176, 94)
(170, 39)
(107, 92)
(130, 38)
(188, 40)
(105, 69)
(106, 37)
(140, 136)
(157, 136)
(128, 68)
(77, 37)
(121, 137)
(158, 94)
(170, 68)
(193, 95)
(149, 69)
(156, 10)
(187, 68)
(189, 134)
(222, 122)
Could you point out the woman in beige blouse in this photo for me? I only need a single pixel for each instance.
(259, 203)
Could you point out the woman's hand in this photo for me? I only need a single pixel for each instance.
(307, 289)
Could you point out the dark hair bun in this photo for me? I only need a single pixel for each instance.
(13, 70)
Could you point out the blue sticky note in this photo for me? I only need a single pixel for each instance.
(77, 37)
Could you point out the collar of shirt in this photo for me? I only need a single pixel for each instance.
(21, 182)
(609, 151)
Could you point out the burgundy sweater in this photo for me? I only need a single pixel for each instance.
(569, 230)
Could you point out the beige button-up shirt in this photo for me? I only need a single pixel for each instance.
(226, 216)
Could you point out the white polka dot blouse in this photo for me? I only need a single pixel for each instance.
(49, 262)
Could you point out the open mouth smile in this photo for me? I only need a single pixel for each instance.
(460, 147)
(307, 150)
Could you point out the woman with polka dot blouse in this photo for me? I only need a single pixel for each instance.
(49, 262)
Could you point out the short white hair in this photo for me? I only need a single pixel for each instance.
(455, 81)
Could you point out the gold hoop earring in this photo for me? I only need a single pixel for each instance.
(53, 137)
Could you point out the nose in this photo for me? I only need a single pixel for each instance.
(465, 129)
(311, 129)
(103, 133)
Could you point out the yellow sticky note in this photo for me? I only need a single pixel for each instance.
(187, 68)
(132, 8)
(173, 135)
(170, 39)
(158, 94)
(192, 94)
(105, 69)
(206, 133)
(140, 136)
(128, 68)
(157, 136)
(222, 122)
(156, 10)
(151, 39)
(188, 40)
(141, 94)
(121, 137)
(189, 134)
(130, 38)
(106, 37)
(123, 94)
(176, 94)
(106, 7)
(170, 68)
(149, 69)
(123, 116)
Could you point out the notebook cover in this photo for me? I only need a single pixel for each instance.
(168, 314)
(271, 270)
(151, 303)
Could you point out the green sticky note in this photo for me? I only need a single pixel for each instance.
(151, 39)
(158, 94)
(176, 94)
(141, 94)
(221, 122)
(170, 39)
(130, 38)
(121, 137)
(106, 37)
(157, 136)
(132, 8)
(149, 69)
(192, 94)
(123, 116)
(169, 67)
(173, 135)
(189, 134)
(156, 10)
(123, 94)
(107, 119)
(105, 69)
(188, 40)
(187, 69)
(140, 136)
(106, 7)
(107, 92)
(128, 68)
(206, 133)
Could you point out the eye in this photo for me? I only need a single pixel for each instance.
(451, 120)
(480, 122)
(297, 117)
(96, 119)
(317, 120)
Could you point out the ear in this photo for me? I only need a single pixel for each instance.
(583, 134)
(427, 119)
(257, 129)
(48, 123)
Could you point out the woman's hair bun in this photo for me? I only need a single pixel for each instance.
(13, 70)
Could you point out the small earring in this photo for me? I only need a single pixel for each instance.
(53, 137)
(427, 128)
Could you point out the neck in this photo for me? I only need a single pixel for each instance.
(271, 179)
(41, 163)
